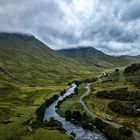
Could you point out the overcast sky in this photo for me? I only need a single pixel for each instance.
(112, 26)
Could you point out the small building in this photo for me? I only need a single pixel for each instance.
(104, 73)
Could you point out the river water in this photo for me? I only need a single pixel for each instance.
(81, 134)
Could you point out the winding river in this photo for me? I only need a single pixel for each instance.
(81, 134)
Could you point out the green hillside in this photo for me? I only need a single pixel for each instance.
(92, 57)
(25, 59)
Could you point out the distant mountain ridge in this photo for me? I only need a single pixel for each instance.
(93, 57)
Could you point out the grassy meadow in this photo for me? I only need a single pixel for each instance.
(18, 104)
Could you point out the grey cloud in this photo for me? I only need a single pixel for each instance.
(132, 11)
(112, 26)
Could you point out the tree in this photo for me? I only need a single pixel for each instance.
(68, 115)
(76, 90)
(117, 70)
(76, 115)
(125, 131)
(99, 124)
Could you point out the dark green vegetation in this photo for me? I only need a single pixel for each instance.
(132, 68)
(41, 110)
(132, 74)
(79, 118)
(76, 115)
(52, 123)
(97, 59)
(119, 94)
(114, 133)
(128, 108)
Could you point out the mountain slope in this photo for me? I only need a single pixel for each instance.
(23, 58)
(91, 56)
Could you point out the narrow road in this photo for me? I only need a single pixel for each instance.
(135, 135)
(91, 113)
(81, 101)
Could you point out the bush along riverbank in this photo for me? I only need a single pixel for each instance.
(38, 121)
(54, 124)
(80, 119)
(41, 110)
(111, 132)
(78, 82)
(51, 123)
(39, 115)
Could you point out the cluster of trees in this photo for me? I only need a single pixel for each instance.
(62, 92)
(131, 109)
(69, 115)
(77, 118)
(41, 110)
(119, 94)
(113, 133)
(93, 79)
(132, 68)
(51, 100)
(132, 74)
(55, 124)
(117, 70)
(88, 80)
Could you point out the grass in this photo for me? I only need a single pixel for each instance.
(100, 106)
(17, 106)
(42, 134)
(33, 62)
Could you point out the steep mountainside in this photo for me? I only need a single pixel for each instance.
(25, 59)
(91, 56)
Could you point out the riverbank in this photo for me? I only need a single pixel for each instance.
(70, 128)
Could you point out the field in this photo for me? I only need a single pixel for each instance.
(17, 106)
(100, 106)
